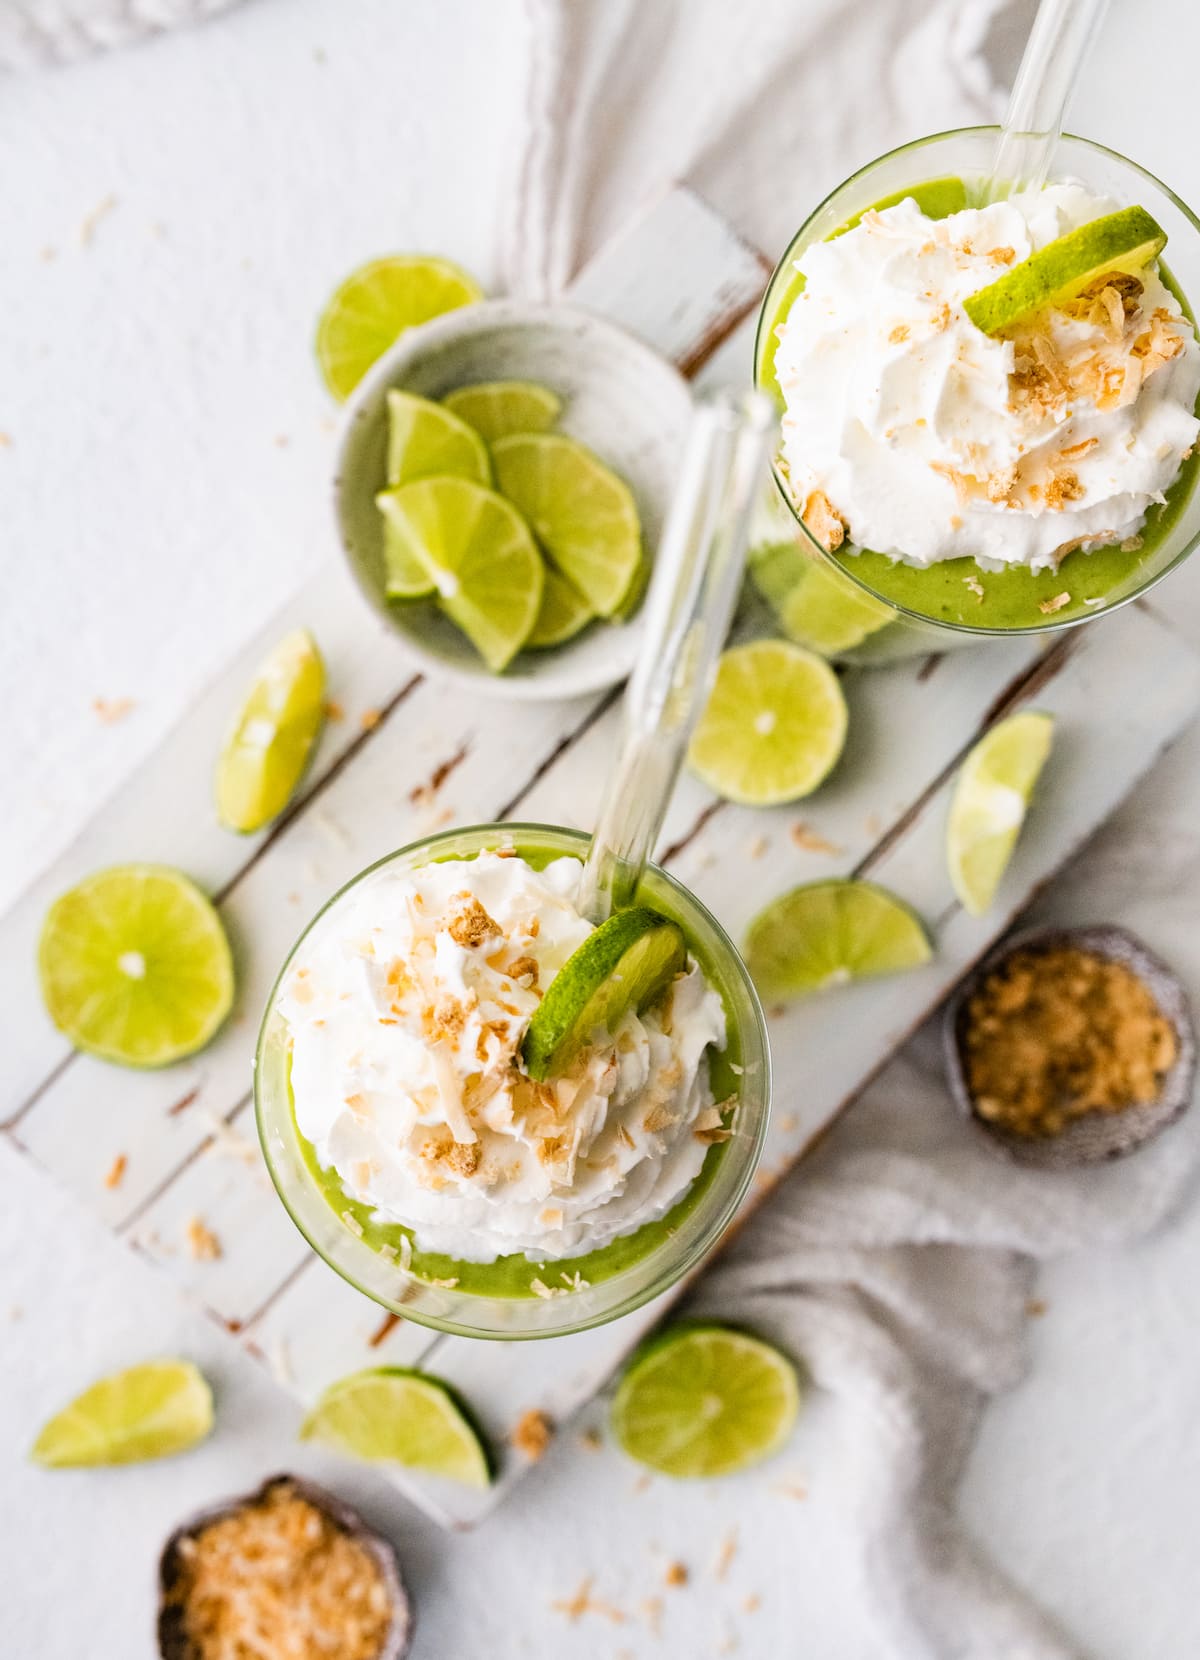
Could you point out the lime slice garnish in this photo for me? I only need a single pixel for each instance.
(583, 515)
(814, 605)
(829, 933)
(480, 556)
(774, 726)
(374, 306)
(989, 804)
(135, 966)
(705, 1401)
(498, 408)
(147, 1411)
(271, 741)
(636, 591)
(624, 964)
(403, 1416)
(1125, 241)
(563, 614)
(426, 441)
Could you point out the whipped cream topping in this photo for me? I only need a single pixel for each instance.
(406, 1007)
(918, 436)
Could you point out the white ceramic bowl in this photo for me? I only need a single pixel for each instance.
(620, 398)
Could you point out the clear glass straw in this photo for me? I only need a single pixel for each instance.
(1054, 53)
(697, 575)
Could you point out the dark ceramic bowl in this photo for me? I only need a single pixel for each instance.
(172, 1641)
(1095, 1136)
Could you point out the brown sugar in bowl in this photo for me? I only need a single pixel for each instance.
(396, 1621)
(1093, 1136)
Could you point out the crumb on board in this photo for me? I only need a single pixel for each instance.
(202, 1243)
(788, 1122)
(650, 1608)
(1035, 1308)
(115, 1173)
(532, 1433)
(758, 847)
(583, 1602)
(752, 1603)
(725, 1555)
(591, 1439)
(281, 440)
(334, 710)
(370, 719)
(675, 1574)
(809, 840)
(109, 710)
(92, 221)
(6, 442)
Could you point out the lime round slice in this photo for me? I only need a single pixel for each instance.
(403, 1416)
(271, 741)
(374, 306)
(829, 933)
(1124, 241)
(563, 615)
(147, 1411)
(135, 966)
(989, 804)
(583, 515)
(705, 1401)
(425, 440)
(498, 408)
(480, 556)
(814, 606)
(774, 726)
(624, 964)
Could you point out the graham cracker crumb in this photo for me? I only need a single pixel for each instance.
(116, 1171)
(532, 1433)
(676, 1574)
(472, 925)
(203, 1245)
(824, 521)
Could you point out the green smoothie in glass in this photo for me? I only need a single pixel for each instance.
(1018, 470)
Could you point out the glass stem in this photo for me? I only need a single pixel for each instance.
(697, 576)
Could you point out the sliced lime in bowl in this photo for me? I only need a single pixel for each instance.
(376, 304)
(499, 408)
(426, 440)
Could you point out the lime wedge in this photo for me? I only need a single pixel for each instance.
(774, 726)
(272, 739)
(829, 933)
(147, 1411)
(402, 1416)
(814, 605)
(498, 408)
(989, 804)
(425, 440)
(624, 964)
(705, 1401)
(374, 306)
(1125, 241)
(583, 515)
(135, 966)
(479, 554)
(563, 614)
(635, 593)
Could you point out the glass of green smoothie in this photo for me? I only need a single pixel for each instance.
(987, 407)
(513, 1081)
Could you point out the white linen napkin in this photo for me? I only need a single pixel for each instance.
(898, 1260)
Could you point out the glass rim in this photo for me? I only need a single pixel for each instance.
(674, 1270)
(817, 549)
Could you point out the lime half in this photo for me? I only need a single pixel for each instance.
(583, 515)
(564, 612)
(147, 1411)
(624, 964)
(135, 966)
(1125, 241)
(401, 1416)
(829, 933)
(498, 408)
(989, 804)
(479, 555)
(705, 1401)
(774, 726)
(425, 440)
(374, 306)
(272, 739)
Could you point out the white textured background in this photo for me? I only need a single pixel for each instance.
(162, 486)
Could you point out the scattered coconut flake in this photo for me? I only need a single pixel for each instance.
(532, 1433)
(406, 1253)
(444, 1285)
(92, 221)
(116, 1171)
(388, 1252)
(651, 1610)
(334, 710)
(6, 442)
(675, 1574)
(230, 1143)
(541, 1289)
(352, 1222)
(752, 1603)
(329, 827)
(583, 1602)
(726, 1554)
(1049, 606)
(202, 1243)
(109, 710)
(805, 837)
(280, 1362)
(758, 847)
(974, 585)
(370, 719)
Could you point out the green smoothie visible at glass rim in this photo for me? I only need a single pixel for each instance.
(928, 603)
(654, 1254)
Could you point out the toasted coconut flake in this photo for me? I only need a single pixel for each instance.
(675, 1574)
(203, 1245)
(532, 1433)
(898, 334)
(541, 1289)
(1131, 544)
(811, 841)
(109, 710)
(370, 719)
(353, 1223)
(726, 1554)
(973, 584)
(1049, 606)
(583, 1602)
(115, 1173)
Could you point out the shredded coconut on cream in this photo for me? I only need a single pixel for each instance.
(914, 434)
(406, 1008)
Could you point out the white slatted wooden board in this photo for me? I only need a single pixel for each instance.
(188, 1134)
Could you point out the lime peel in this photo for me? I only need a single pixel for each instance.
(403, 1416)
